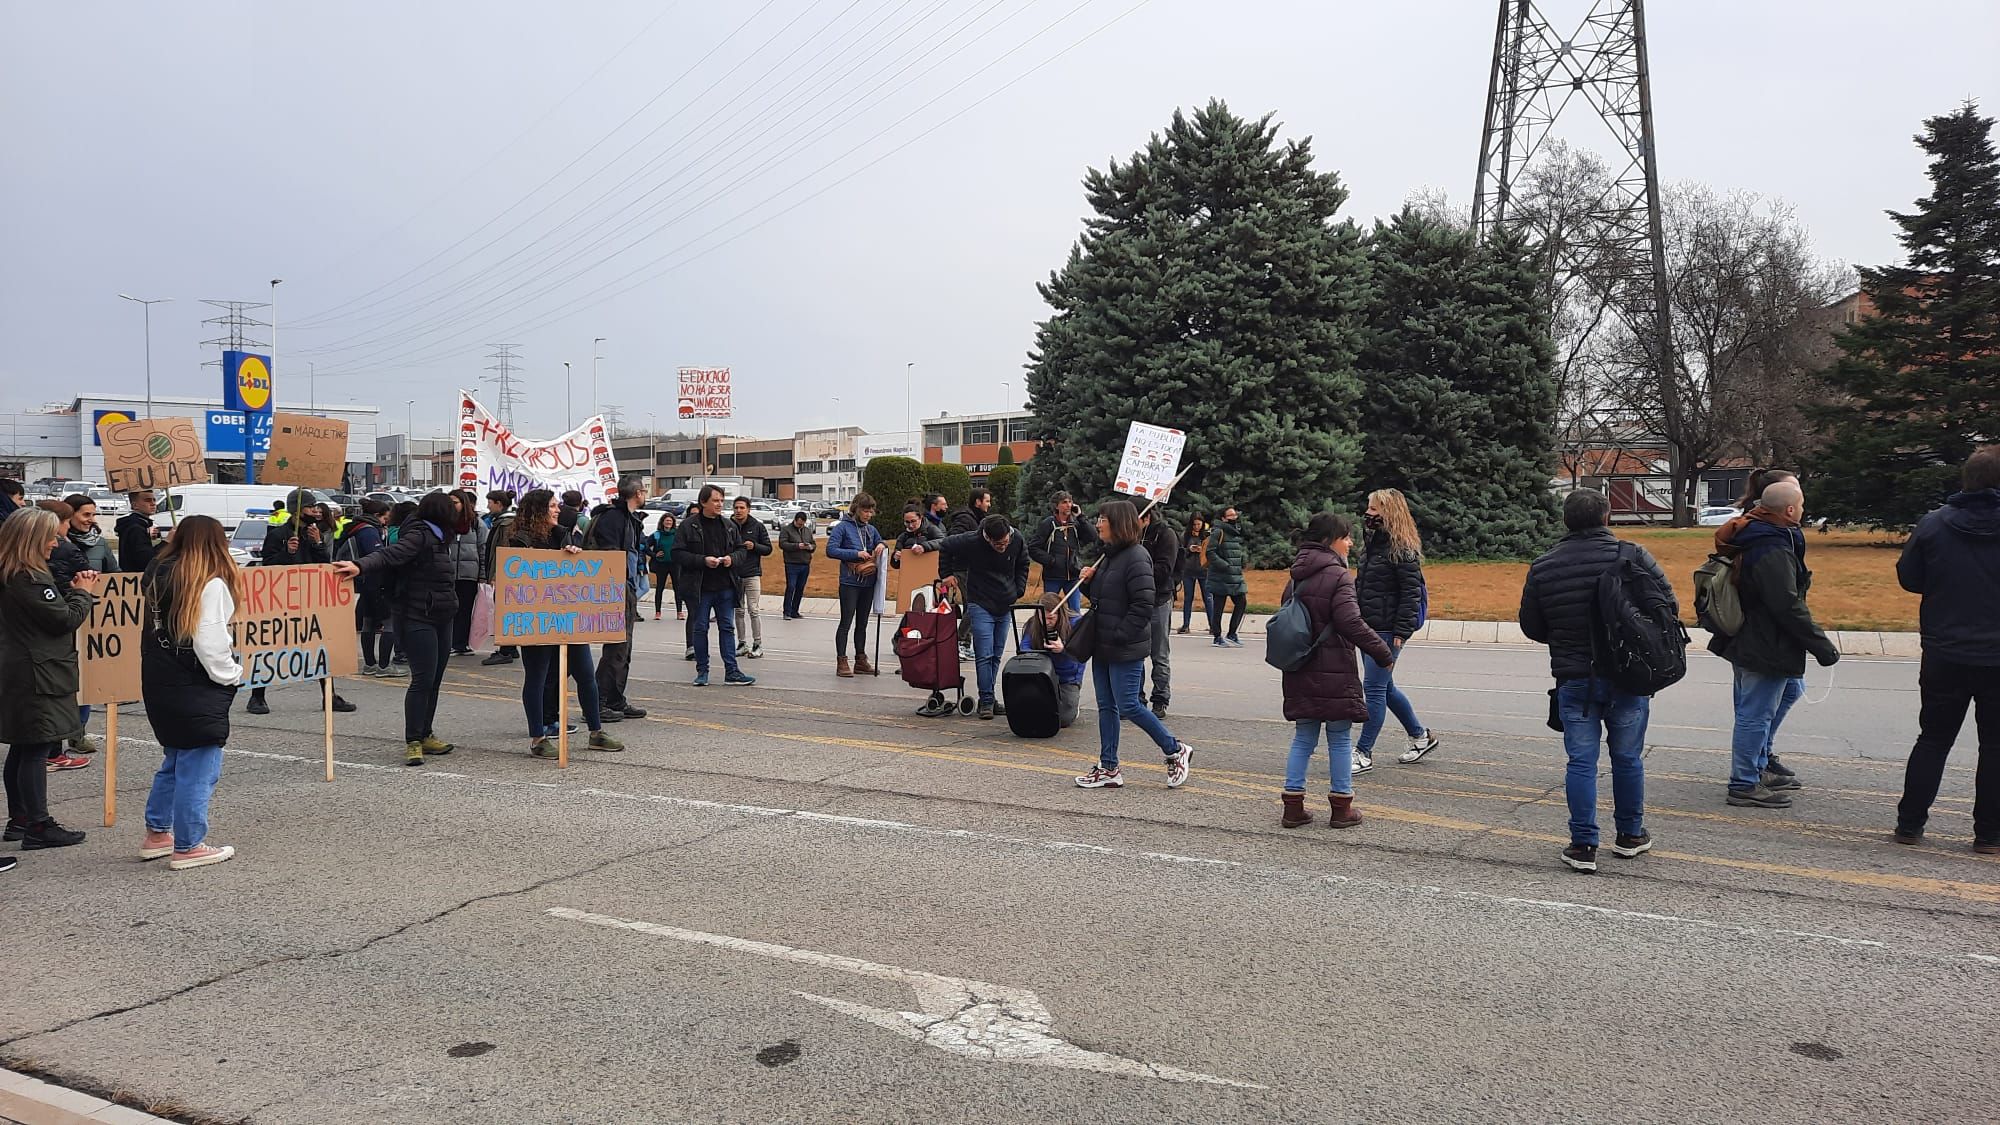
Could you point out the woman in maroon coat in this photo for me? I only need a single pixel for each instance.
(1326, 694)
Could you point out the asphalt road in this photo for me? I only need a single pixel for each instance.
(729, 921)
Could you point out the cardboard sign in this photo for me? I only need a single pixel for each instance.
(914, 572)
(554, 598)
(157, 453)
(1151, 462)
(292, 624)
(306, 450)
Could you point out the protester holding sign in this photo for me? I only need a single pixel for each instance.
(425, 601)
(138, 536)
(188, 673)
(1122, 599)
(38, 665)
(535, 529)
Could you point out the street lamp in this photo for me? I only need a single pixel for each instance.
(909, 370)
(567, 423)
(594, 357)
(653, 446)
(275, 282)
(149, 343)
(409, 441)
(1004, 388)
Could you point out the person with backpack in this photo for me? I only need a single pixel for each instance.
(1390, 587)
(424, 601)
(1050, 632)
(1560, 609)
(1121, 593)
(994, 561)
(1953, 561)
(1719, 609)
(1315, 637)
(1227, 555)
(1194, 569)
(1058, 546)
(853, 544)
(1768, 654)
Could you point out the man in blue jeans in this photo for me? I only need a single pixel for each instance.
(1558, 609)
(995, 564)
(1769, 651)
(709, 549)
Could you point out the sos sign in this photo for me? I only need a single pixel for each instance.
(246, 382)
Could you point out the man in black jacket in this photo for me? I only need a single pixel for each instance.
(1558, 609)
(1058, 546)
(1163, 543)
(300, 539)
(709, 550)
(750, 580)
(995, 564)
(978, 505)
(1769, 652)
(617, 527)
(1953, 560)
(799, 542)
(139, 537)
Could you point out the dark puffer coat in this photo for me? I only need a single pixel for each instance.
(423, 569)
(1227, 556)
(38, 664)
(1328, 688)
(1121, 604)
(1388, 584)
(1559, 598)
(1953, 560)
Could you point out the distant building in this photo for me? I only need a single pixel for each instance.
(823, 464)
(974, 440)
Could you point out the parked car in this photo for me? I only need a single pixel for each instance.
(1715, 516)
(246, 542)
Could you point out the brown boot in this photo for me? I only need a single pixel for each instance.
(862, 667)
(1342, 814)
(843, 669)
(1295, 810)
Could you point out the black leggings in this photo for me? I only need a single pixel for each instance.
(424, 644)
(855, 604)
(660, 584)
(27, 779)
(1236, 606)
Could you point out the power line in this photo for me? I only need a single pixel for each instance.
(235, 322)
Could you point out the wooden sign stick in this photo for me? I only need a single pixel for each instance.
(562, 707)
(110, 764)
(326, 701)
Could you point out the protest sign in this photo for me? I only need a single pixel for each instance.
(1151, 463)
(306, 450)
(556, 598)
(704, 392)
(151, 453)
(294, 624)
(492, 456)
(107, 647)
(914, 572)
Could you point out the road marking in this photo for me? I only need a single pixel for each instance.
(971, 1018)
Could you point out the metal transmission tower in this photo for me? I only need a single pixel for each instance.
(505, 378)
(234, 323)
(1537, 75)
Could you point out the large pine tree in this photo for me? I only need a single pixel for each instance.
(1920, 379)
(1459, 395)
(1212, 291)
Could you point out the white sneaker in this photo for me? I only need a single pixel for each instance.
(1178, 765)
(1101, 778)
(201, 855)
(1363, 762)
(757, 652)
(1419, 746)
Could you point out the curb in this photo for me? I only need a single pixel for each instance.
(32, 1101)
(1849, 642)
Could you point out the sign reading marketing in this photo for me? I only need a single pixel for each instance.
(292, 624)
(704, 392)
(492, 456)
(555, 597)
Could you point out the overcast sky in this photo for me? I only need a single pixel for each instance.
(830, 190)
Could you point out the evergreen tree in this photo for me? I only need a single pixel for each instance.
(893, 482)
(1211, 291)
(1459, 394)
(1004, 482)
(1919, 379)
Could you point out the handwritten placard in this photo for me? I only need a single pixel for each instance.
(292, 624)
(1151, 462)
(306, 450)
(553, 598)
(151, 453)
(107, 647)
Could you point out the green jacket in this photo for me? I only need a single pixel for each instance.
(38, 664)
(1226, 557)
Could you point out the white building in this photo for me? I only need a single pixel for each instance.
(823, 464)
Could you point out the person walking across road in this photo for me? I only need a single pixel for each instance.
(1058, 547)
(1227, 556)
(1122, 601)
(188, 674)
(750, 580)
(1164, 546)
(1194, 569)
(1953, 561)
(536, 529)
(617, 526)
(995, 564)
(38, 664)
(1390, 588)
(424, 603)
(798, 542)
(854, 544)
(1326, 696)
(710, 548)
(1769, 653)
(1559, 609)
(659, 552)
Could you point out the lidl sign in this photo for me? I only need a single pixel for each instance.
(246, 382)
(103, 418)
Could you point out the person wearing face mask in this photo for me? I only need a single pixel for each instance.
(1390, 585)
(87, 548)
(1325, 695)
(1227, 555)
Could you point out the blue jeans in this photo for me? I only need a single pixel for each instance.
(795, 586)
(1191, 584)
(989, 638)
(1590, 709)
(1119, 696)
(1051, 586)
(538, 663)
(181, 789)
(1339, 755)
(1378, 685)
(721, 603)
(1761, 704)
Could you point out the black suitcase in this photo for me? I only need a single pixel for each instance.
(1028, 687)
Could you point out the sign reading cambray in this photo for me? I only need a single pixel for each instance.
(554, 597)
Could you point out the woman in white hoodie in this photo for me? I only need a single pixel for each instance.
(188, 675)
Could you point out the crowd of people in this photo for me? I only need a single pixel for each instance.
(422, 569)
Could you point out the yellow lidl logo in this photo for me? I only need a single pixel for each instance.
(253, 383)
(106, 418)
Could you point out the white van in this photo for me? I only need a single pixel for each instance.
(229, 503)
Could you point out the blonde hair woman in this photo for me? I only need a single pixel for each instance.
(188, 675)
(38, 623)
(1390, 584)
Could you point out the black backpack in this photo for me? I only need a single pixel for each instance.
(1639, 642)
(1289, 638)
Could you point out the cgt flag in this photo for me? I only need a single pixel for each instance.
(491, 456)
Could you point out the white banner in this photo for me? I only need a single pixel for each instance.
(885, 445)
(492, 456)
(1151, 463)
(704, 392)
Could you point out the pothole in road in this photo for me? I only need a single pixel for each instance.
(779, 1054)
(469, 1050)
(1819, 1051)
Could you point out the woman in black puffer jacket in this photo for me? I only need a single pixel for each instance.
(1390, 586)
(424, 604)
(1120, 588)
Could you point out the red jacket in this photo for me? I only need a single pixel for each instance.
(1328, 688)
